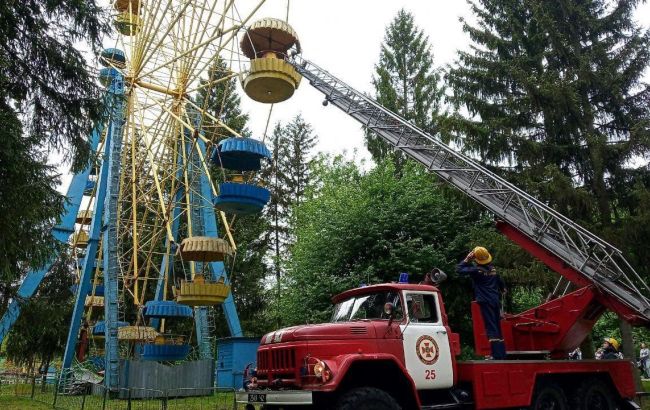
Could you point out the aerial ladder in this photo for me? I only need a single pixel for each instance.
(604, 278)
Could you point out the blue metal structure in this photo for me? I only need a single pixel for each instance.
(84, 285)
(100, 327)
(110, 251)
(165, 353)
(233, 355)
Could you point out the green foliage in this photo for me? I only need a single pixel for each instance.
(552, 96)
(553, 90)
(48, 100)
(41, 330)
(44, 79)
(219, 99)
(359, 227)
(26, 240)
(288, 177)
(405, 81)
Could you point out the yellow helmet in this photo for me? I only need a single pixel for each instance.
(612, 342)
(482, 255)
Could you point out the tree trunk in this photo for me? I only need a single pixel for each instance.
(587, 348)
(627, 344)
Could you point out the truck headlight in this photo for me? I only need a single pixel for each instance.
(318, 368)
(321, 370)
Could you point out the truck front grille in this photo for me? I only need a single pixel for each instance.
(277, 364)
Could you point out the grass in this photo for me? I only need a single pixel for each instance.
(20, 403)
(10, 401)
(17, 396)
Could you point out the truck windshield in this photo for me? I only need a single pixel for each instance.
(369, 306)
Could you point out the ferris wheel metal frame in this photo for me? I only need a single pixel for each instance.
(139, 103)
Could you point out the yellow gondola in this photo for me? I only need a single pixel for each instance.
(128, 24)
(198, 292)
(94, 301)
(136, 333)
(80, 239)
(204, 249)
(84, 217)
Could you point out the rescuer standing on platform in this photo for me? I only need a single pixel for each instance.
(488, 287)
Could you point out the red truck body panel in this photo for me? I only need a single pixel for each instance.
(503, 384)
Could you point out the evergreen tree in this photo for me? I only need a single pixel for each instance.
(289, 176)
(40, 333)
(405, 80)
(219, 99)
(48, 100)
(555, 101)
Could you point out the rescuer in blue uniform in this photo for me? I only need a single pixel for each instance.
(488, 287)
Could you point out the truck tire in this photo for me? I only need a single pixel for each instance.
(549, 397)
(594, 394)
(367, 398)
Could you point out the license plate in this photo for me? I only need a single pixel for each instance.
(256, 398)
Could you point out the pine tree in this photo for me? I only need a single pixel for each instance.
(48, 101)
(405, 80)
(555, 100)
(288, 177)
(219, 99)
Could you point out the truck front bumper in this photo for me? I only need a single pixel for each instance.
(284, 397)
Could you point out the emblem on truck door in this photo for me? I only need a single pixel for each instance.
(427, 349)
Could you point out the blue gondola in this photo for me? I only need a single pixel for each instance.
(88, 189)
(166, 309)
(106, 76)
(100, 327)
(241, 199)
(165, 352)
(112, 56)
(240, 154)
(99, 290)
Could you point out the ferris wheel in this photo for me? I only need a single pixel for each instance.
(151, 216)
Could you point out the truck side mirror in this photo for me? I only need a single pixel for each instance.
(389, 310)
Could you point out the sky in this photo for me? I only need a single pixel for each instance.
(344, 37)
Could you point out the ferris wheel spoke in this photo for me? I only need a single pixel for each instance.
(199, 32)
(154, 21)
(230, 31)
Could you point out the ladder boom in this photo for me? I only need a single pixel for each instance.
(601, 264)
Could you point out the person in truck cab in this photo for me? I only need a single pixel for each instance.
(488, 287)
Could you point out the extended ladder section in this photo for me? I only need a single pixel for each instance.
(600, 263)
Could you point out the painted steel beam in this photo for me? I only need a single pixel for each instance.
(109, 242)
(88, 262)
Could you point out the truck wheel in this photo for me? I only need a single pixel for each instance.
(594, 394)
(367, 398)
(549, 397)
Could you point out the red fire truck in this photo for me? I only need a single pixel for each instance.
(390, 346)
